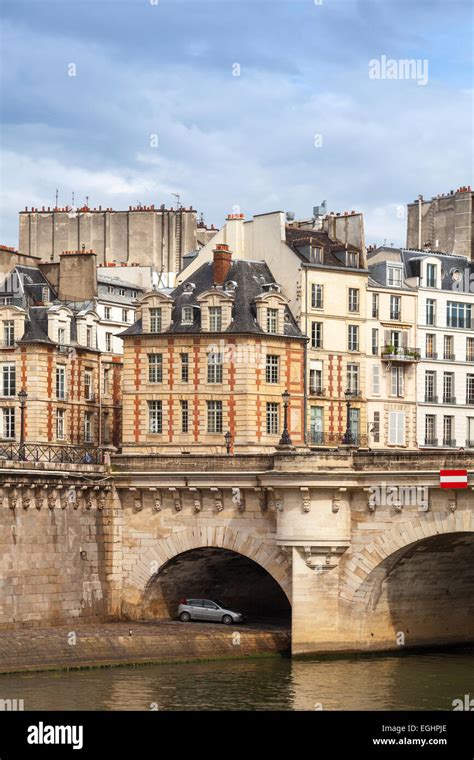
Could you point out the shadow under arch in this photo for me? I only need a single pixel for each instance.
(215, 573)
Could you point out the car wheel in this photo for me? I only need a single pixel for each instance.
(185, 617)
(227, 620)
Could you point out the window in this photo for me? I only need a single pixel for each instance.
(273, 426)
(155, 416)
(395, 307)
(60, 430)
(315, 255)
(88, 427)
(184, 416)
(155, 320)
(272, 320)
(396, 381)
(448, 431)
(430, 430)
(9, 332)
(61, 383)
(375, 341)
(88, 385)
(448, 388)
(353, 299)
(431, 346)
(108, 341)
(187, 315)
(110, 289)
(272, 369)
(352, 259)
(458, 314)
(214, 367)
(317, 296)
(470, 433)
(61, 336)
(106, 382)
(121, 291)
(106, 427)
(89, 335)
(124, 315)
(45, 294)
(214, 416)
(430, 311)
(215, 318)
(376, 380)
(353, 378)
(184, 368)
(375, 305)
(430, 387)
(316, 382)
(6, 300)
(470, 389)
(353, 338)
(470, 349)
(316, 425)
(448, 347)
(8, 417)
(376, 427)
(8, 379)
(431, 275)
(107, 312)
(394, 276)
(316, 335)
(396, 428)
(155, 368)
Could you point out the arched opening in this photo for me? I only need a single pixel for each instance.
(216, 573)
(424, 590)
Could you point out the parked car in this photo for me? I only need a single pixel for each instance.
(206, 609)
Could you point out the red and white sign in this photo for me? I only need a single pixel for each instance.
(453, 479)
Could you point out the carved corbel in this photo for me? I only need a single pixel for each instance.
(262, 498)
(101, 497)
(51, 500)
(305, 499)
(218, 499)
(238, 499)
(177, 501)
(13, 500)
(452, 503)
(157, 503)
(197, 499)
(336, 502)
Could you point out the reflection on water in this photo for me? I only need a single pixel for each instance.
(413, 682)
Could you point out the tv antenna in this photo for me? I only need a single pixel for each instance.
(178, 199)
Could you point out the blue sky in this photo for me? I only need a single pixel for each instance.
(229, 143)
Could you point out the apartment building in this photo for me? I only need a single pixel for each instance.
(217, 365)
(392, 353)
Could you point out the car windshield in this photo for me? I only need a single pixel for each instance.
(221, 604)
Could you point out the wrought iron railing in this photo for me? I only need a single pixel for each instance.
(402, 353)
(42, 452)
(318, 438)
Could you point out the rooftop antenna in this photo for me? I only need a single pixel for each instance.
(57, 196)
(73, 198)
(87, 201)
(178, 198)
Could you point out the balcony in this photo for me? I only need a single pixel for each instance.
(37, 452)
(449, 400)
(400, 354)
(450, 442)
(332, 440)
(430, 399)
(317, 390)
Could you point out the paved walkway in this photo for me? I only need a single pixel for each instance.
(84, 645)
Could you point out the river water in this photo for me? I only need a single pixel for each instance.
(429, 681)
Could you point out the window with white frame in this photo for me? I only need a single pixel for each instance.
(8, 332)
(187, 315)
(395, 307)
(396, 428)
(273, 425)
(214, 367)
(215, 318)
(470, 389)
(155, 416)
(88, 385)
(61, 336)
(397, 381)
(470, 349)
(430, 387)
(124, 315)
(316, 296)
(353, 337)
(376, 380)
(184, 416)
(272, 320)
(430, 346)
(184, 368)
(375, 305)
(353, 299)
(60, 426)
(107, 312)
(214, 417)
(155, 320)
(376, 427)
(431, 275)
(430, 430)
(8, 420)
(88, 424)
(458, 315)
(108, 341)
(394, 276)
(316, 381)
(272, 365)
(448, 430)
(316, 335)
(8, 379)
(61, 382)
(155, 368)
(89, 336)
(106, 381)
(315, 254)
(353, 378)
(375, 341)
(430, 311)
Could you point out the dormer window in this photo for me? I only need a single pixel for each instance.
(89, 336)
(45, 294)
(394, 276)
(8, 333)
(187, 315)
(155, 320)
(272, 320)
(215, 318)
(431, 275)
(315, 254)
(352, 259)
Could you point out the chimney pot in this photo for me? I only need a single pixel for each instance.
(222, 263)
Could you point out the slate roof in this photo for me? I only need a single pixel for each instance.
(249, 277)
(299, 239)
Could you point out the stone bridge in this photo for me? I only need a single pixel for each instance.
(366, 549)
(363, 550)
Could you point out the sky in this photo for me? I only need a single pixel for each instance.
(240, 107)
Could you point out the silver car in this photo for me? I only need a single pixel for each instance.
(206, 609)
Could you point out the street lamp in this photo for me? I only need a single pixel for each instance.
(348, 439)
(228, 441)
(285, 439)
(22, 397)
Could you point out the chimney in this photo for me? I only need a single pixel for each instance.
(222, 263)
(77, 275)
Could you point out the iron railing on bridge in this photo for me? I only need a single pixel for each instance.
(38, 452)
(318, 438)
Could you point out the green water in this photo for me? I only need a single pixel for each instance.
(413, 682)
